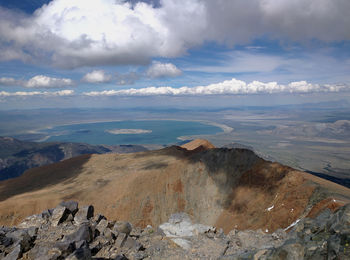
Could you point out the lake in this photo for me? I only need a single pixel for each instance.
(129, 132)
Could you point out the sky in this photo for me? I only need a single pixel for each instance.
(114, 53)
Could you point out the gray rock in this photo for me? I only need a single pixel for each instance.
(83, 233)
(33, 221)
(325, 237)
(5, 241)
(340, 221)
(32, 231)
(98, 244)
(21, 237)
(41, 252)
(97, 218)
(101, 226)
(291, 250)
(137, 231)
(47, 213)
(333, 246)
(183, 243)
(180, 225)
(122, 227)
(80, 254)
(71, 205)
(119, 242)
(65, 248)
(59, 215)
(84, 214)
(107, 233)
(15, 254)
(4, 230)
(131, 243)
(81, 244)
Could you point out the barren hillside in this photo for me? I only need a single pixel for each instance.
(227, 188)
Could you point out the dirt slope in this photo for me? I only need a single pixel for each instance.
(18, 156)
(228, 188)
(198, 144)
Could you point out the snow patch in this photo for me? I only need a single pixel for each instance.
(292, 225)
(270, 208)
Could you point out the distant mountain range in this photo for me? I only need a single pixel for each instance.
(18, 156)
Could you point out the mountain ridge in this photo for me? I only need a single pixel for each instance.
(226, 188)
(17, 156)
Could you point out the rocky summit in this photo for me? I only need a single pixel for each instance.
(70, 232)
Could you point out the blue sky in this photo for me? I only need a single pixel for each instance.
(103, 52)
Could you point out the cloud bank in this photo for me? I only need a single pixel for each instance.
(228, 87)
(78, 33)
(66, 92)
(39, 81)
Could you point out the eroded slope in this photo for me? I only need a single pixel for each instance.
(228, 188)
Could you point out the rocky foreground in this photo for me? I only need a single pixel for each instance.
(69, 232)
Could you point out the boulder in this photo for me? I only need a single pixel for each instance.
(83, 215)
(59, 215)
(340, 221)
(101, 226)
(98, 243)
(71, 205)
(5, 241)
(122, 227)
(82, 234)
(119, 242)
(180, 225)
(80, 254)
(21, 237)
(15, 254)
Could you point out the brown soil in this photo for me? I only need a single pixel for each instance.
(222, 187)
(195, 144)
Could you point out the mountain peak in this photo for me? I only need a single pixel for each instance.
(216, 187)
(197, 143)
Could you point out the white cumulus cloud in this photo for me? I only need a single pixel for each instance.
(94, 32)
(78, 33)
(161, 70)
(228, 87)
(39, 81)
(6, 81)
(96, 76)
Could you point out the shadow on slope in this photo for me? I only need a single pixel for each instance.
(43, 177)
